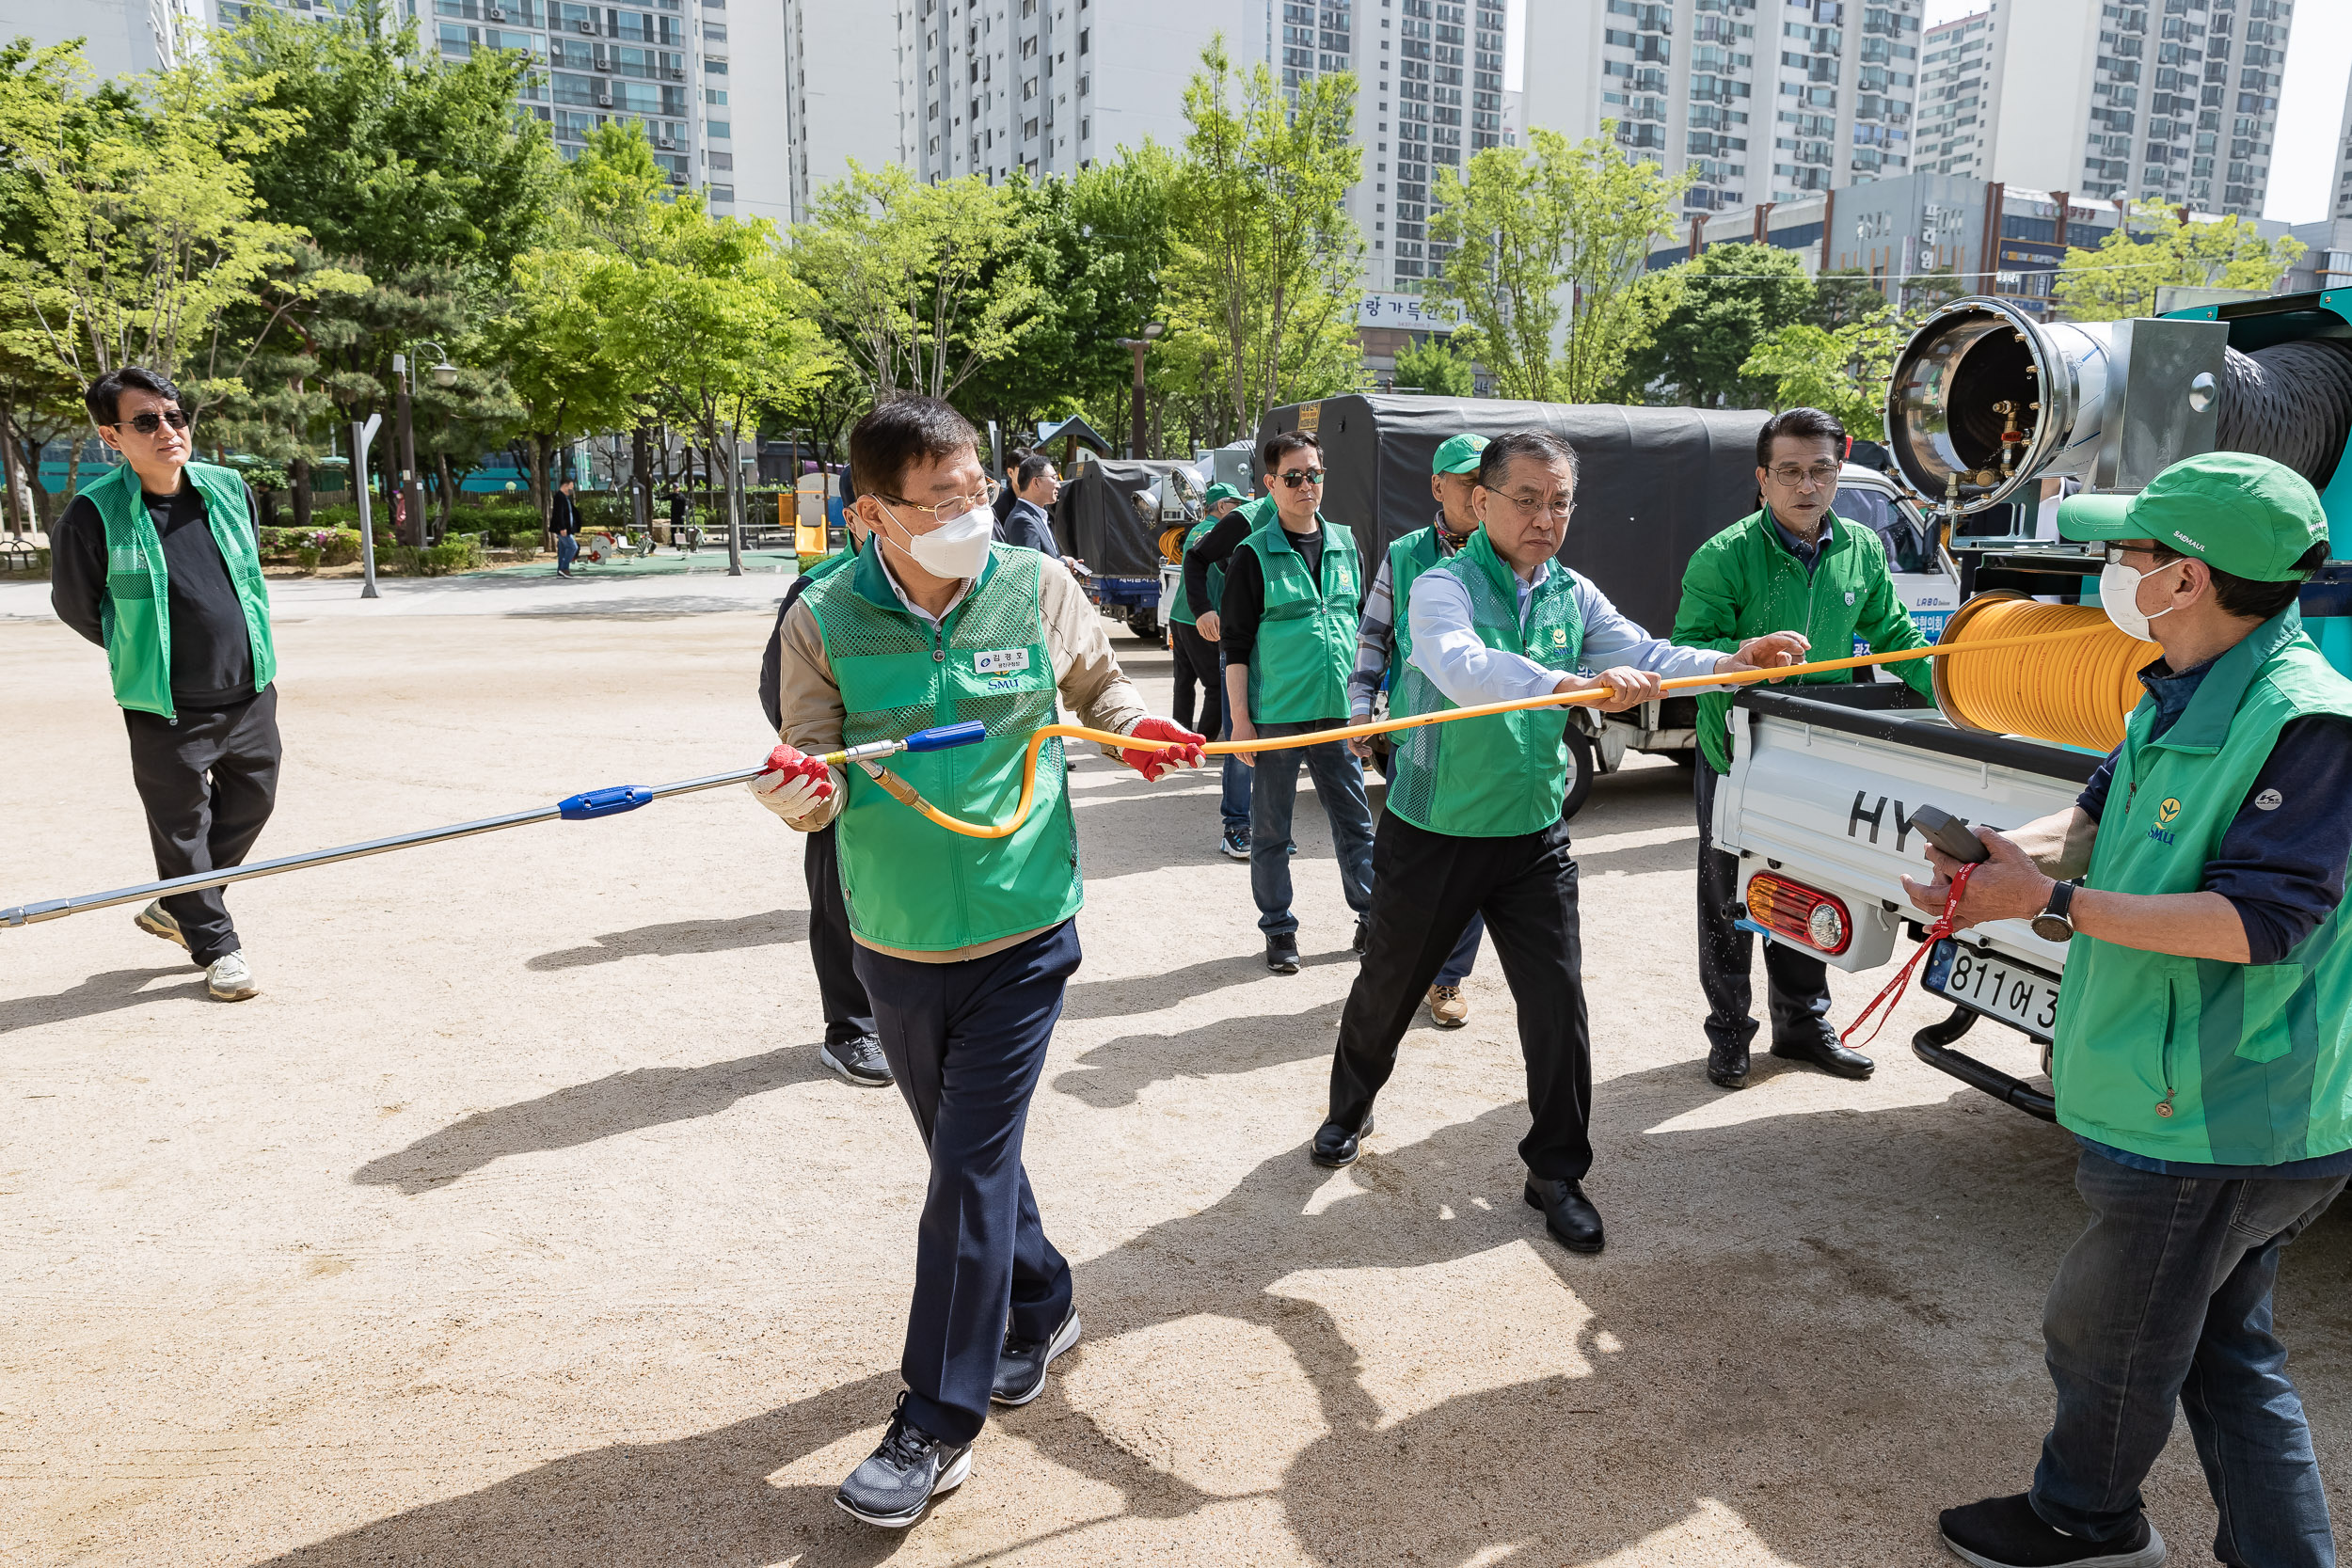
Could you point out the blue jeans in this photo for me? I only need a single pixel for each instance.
(2167, 1298)
(1464, 958)
(1339, 785)
(567, 547)
(1234, 805)
(967, 1042)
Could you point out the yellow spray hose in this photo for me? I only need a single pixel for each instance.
(907, 794)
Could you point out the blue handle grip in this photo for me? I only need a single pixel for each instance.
(941, 737)
(609, 801)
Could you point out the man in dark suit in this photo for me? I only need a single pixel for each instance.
(564, 522)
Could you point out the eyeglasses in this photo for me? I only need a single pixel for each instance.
(2115, 553)
(148, 423)
(1527, 506)
(1818, 475)
(1297, 477)
(955, 506)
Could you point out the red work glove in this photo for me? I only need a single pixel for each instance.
(792, 785)
(1152, 764)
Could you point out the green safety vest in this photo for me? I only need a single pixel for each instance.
(136, 612)
(2197, 1059)
(1408, 557)
(1182, 610)
(1506, 774)
(1307, 630)
(910, 883)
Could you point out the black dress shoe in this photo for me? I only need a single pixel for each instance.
(1021, 1365)
(1727, 1070)
(1827, 1054)
(1335, 1146)
(1568, 1214)
(898, 1479)
(1363, 934)
(1281, 954)
(2005, 1532)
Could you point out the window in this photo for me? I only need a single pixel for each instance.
(1084, 34)
(714, 95)
(1028, 49)
(1028, 90)
(720, 160)
(714, 68)
(715, 31)
(1028, 130)
(722, 192)
(723, 130)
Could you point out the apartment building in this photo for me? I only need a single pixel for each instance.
(2340, 194)
(2172, 101)
(121, 37)
(833, 112)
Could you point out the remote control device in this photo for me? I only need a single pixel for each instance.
(1949, 833)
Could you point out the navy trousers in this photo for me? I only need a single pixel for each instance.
(967, 1042)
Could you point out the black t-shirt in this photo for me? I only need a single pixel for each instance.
(211, 648)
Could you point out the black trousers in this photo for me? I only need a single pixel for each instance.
(208, 783)
(849, 1015)
(1798, 983)
(968, 1042)
(1425, 887)
(1195, 665)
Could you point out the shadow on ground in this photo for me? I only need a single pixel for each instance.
(108, 993)
(773, 929)
(1798, 1369)
(584, 1113)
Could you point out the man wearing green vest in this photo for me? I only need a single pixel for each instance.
(1200, 598)
(1473, 826)
(1384, 642)
(964, 944)
(1793, 564)
(1293, 590)
(159, 563)
(2203, 1038)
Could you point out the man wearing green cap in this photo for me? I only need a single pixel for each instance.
(1196, 661)
(2203, 1038)
(1384, 642)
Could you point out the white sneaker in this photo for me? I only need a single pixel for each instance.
(230, 979)
(156, 921)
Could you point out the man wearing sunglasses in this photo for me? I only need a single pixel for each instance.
(158, 562)
(1286, 625)
(1793, 564)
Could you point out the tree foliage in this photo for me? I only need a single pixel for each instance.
(1725, 302)
(2157, 249)
(1549, 230)
(1431, 366)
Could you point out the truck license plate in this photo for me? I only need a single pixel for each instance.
(2021, 997)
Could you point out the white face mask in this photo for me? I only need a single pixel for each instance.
(2119, 595)
(957, 547)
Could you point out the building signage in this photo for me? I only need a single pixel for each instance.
(1407, 310)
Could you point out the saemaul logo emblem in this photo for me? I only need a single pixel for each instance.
(2167, 811)
(1559, 637)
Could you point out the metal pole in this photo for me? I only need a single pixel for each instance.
(404, 445)
(361, 435)
(1134, 445)
(735, 504)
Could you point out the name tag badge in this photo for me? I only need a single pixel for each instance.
(1849, 596)
(1004, 661)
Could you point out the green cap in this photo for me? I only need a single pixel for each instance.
(2237, 513)
(1219, 493)
(1457, 454)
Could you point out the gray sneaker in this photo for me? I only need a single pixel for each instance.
(230, 979)
(858, 1061)
(899, 1479)
(156, 921)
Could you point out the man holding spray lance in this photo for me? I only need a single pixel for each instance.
(964, 944)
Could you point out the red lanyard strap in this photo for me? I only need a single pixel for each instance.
(1936, 932)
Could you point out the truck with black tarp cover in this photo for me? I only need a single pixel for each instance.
(1653, 485)
(1111, 515)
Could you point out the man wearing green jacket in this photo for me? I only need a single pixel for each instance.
(1794, 565)
(159, 563)
(1192, 634)
(2203, 1051)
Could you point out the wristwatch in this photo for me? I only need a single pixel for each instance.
(2056, 924)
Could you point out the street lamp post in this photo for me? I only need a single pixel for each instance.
(411, 482)
(1140, 347)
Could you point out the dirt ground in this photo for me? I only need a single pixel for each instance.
(515, 1221)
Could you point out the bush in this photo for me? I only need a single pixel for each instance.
(307, 557)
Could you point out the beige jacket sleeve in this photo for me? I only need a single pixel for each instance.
(1085, 670)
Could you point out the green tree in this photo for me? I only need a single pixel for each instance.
(1732, 296)
(1551, 229)
(2121, 277)
(1432, 366)
(917, 285)
(1261, 277)
(1841, 370)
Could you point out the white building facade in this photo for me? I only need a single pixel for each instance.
(1955, 86)
(123, 37)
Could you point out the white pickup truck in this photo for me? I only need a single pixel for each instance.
(1818, 807)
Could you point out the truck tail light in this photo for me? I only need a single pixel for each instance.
(1800, 913)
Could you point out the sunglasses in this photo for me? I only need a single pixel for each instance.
(147, 424)
(1297, 477)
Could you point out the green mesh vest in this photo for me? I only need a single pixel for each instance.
(135, 613)
(1408, 557)
(1504, 775)
(1307, 630)
(910, 883)
(1181, 611)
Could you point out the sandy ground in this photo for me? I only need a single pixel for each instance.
(517, 1222)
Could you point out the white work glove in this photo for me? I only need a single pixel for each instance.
(792, 785)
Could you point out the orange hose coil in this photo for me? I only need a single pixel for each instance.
(2078, 696)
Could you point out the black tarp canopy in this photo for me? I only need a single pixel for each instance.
(1109, 516)
(1653, 485)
